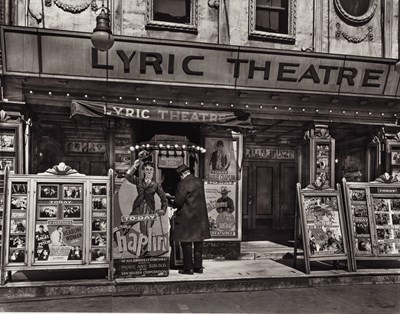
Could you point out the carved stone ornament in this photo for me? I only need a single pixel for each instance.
(35, 7)
(354, 39)
(61, 169)
(386, 178)
(75, 6)
(356, 11)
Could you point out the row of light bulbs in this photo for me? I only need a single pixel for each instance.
(232, 105)
(160, 146)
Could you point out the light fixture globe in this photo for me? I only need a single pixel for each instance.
(102, 38)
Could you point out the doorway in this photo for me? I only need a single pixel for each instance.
(269, 200)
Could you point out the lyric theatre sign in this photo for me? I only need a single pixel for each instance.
(46, 53)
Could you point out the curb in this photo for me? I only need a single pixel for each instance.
(15, 292)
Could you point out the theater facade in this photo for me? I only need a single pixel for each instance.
(252, 116)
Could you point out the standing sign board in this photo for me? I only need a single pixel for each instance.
(374, 218)
(57, 220)
(140, 242)
(322, 225)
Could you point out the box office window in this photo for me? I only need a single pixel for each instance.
(177, 15)
(272, 19)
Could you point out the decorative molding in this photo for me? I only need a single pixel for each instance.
(4, 117)
(318, 185)
(319, 131)
(62, 169)
(255, 34)
(386, 178)
(73, 8)
(354, 39)
(356, 19)
(191, 28)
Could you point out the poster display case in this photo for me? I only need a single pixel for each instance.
(374, 218)
(59, 219)
(320, 156)
(322, 223)
(11, 157)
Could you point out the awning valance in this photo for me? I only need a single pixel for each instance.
(236, 118)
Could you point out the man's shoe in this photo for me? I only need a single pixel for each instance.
(198, 270)
(185, 272)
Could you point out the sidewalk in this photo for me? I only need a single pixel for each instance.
(257, 274)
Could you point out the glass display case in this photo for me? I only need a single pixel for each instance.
(374, 219)
(57, 220)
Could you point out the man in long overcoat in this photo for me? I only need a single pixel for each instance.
(191, 224)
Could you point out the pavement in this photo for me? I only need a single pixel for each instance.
(262, 267)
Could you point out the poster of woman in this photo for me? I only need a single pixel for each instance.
(220, 159)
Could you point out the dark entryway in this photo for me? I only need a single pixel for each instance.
(269, 199)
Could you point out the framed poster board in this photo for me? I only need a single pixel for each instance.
(323, 226)
(57, 222)
(374, 219)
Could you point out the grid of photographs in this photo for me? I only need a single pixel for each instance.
(122, 158)
(322, 162)
(59, 201)
(17, 235)
(99, 222)
(324, 226)
(360, 219)
(387, 221)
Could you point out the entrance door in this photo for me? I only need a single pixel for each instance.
(269, 195)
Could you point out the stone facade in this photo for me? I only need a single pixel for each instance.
(320, 25)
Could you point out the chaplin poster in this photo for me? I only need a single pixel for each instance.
(140, 241)
(220, 159)
(222, 210)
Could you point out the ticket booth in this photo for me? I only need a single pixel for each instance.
(57, 220)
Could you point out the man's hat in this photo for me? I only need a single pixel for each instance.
(41, 226)
(181, 169)
(224, 189)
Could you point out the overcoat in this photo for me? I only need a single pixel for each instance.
(191, 218)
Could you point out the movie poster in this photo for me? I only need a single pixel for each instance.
(220, 160)
(222, 210)
(140, 242)
(323, 224)
(58, 241)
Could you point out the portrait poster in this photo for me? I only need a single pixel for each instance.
(220, 159)
(140, 246)
(7, 141)
(323, 225)
(7, 161)
(58, 241)
(221, 200)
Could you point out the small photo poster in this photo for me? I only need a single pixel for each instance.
(47, 211)
(7, 161)
(220, 159)
(122, 142)
(72, 192)
(7, 142)
(85, 146)
(48, 191)
(222, 210)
